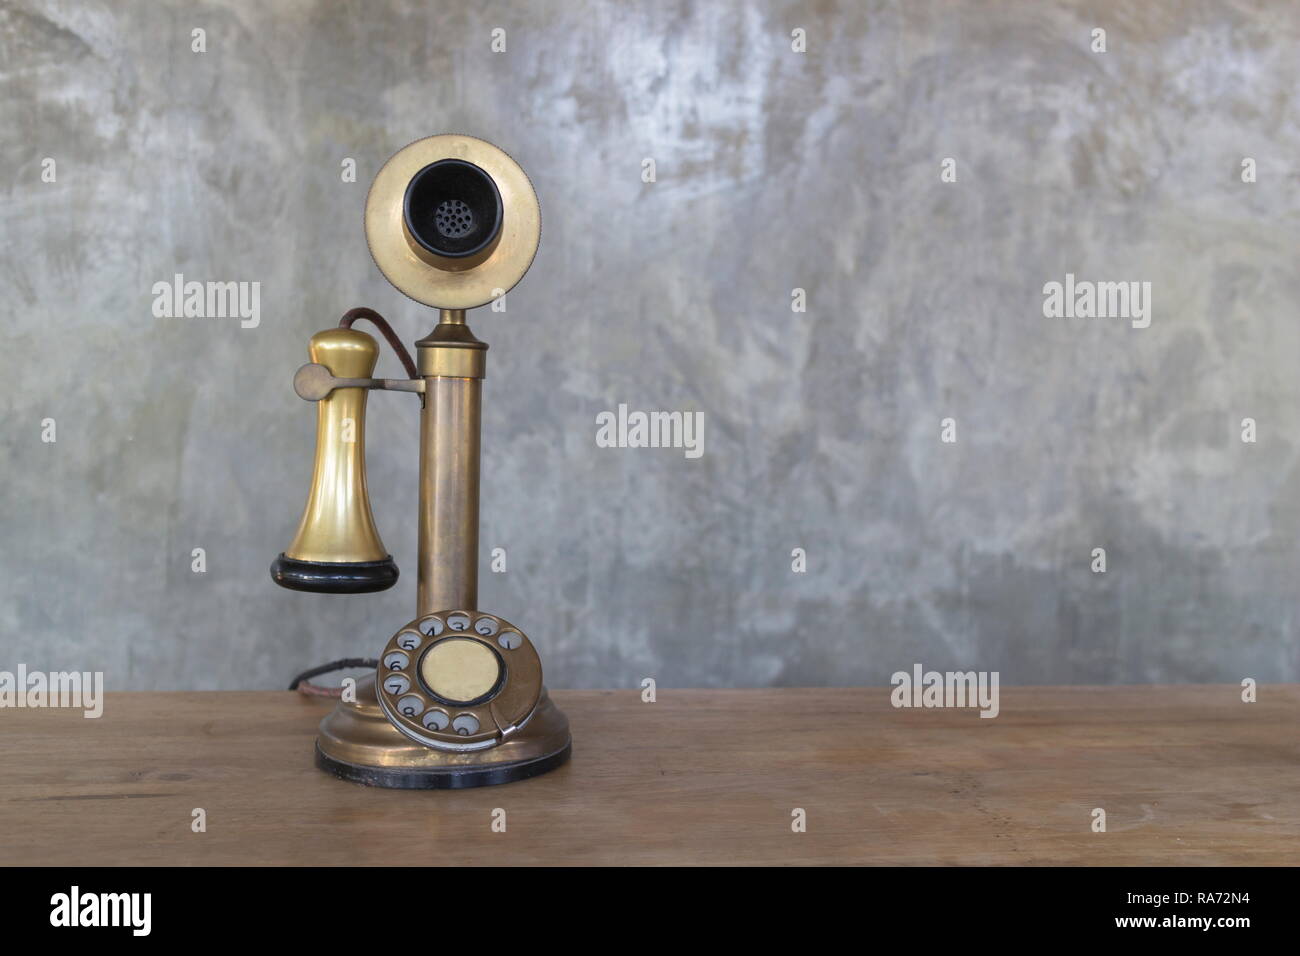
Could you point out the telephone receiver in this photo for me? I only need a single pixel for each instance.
(457, 698)
(337, 549)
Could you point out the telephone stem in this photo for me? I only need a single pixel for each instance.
(452, 364)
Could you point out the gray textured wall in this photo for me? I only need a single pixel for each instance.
(775, 170)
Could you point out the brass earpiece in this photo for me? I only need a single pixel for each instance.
(337, 549)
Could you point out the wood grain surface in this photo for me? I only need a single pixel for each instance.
(1187, 775)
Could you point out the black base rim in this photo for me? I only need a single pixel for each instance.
(454, 778)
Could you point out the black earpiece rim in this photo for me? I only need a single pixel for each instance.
(342, 577)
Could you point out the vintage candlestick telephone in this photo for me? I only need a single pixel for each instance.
(457, 699)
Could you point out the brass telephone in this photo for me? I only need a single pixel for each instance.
(457, 699)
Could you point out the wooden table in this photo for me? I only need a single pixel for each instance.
(1186, 775)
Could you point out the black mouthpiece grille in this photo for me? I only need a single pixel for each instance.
(453, 208)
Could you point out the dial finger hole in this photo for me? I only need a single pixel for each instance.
(485, 626)
(510, 639)
(436, 720)
(410, 706)
(465, 724)
(431, 626)
(408, 641)
(397, 684)
(396, 661)
(458, 621)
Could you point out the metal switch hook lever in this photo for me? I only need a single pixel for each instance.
(314, 382)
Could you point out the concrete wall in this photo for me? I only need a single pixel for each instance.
(775, 170)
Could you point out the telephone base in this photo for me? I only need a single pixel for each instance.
(452, 778)
(357, 743)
